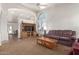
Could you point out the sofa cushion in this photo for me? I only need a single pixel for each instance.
(52, 36)
(73, 33)
(67, 38)
(67, 33)
(58, 32)
(51, 32)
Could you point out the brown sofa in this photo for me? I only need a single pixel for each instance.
(65, 37)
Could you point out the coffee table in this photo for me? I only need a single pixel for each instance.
(47, 42)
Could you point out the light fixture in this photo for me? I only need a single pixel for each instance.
(43, 5)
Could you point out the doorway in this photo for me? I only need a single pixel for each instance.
(12, 31)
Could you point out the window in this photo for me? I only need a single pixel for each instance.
(10, 29)
(42, 22)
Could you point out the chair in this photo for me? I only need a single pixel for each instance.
(75, 48)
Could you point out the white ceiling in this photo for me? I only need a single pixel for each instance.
(21, 9)
(18, 10)
(14, 14)
(25, 9)
(35, 6)
(32, 6)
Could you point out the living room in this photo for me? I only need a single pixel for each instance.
(54, 25)
(62, 22)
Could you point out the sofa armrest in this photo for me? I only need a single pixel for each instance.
(73, 38)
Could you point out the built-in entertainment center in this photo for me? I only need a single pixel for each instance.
(28, 30)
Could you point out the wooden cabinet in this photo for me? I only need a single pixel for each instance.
(28, 30)
(24, 34)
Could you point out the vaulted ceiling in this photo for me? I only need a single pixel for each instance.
(18, 10)
(21, 10)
